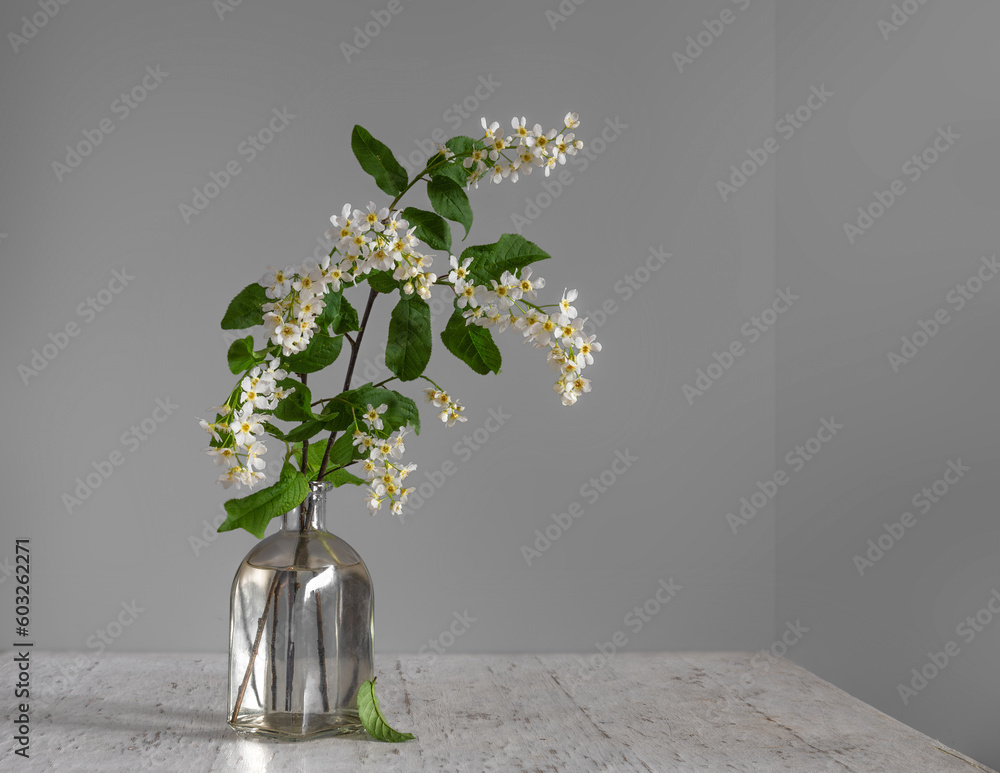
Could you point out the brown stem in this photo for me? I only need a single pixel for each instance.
(355, 348)
(290, 650)
(305, 447)
(322, 654)
(273, 655)
(261, 622)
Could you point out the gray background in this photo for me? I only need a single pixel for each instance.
(145, 536)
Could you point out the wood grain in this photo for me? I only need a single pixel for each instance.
(681, 712)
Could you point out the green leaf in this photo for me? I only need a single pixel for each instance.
(510, 253)
(372, 718)
(452, 170)
(376, 159)
(295, 407)
(382, 281)
(472, 344)
(343, 477)
(254, 512)
(431, 229)
(401, 409)
(321, 351)
(338, 313)
(245, 309)
(241, 356)
(343, 451)
(270, 429)
(449, 200)
(316, 451)
(348, 319)
(305, 430)
(460, 144)
(409, 347)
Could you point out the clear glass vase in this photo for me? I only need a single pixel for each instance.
(301, 630)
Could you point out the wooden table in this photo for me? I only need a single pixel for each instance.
(640, 711)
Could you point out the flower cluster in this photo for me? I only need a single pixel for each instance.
(297, 295)
(451, 410)
(237, 425)
(385, 477)
(501, 157)
(379, 240)
(508, 304)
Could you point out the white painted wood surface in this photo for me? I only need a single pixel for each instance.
(648, 712)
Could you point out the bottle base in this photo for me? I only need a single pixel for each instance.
(290, 726)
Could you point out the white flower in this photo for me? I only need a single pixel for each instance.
(213, 428)
(249, 477)
(475, 159)
(527, 286)
(304, 280)
(226, 456)
(373, 499)
(467, 297)
(273, 369)
(491, 128)
(372, 218)
(586, 346)
(571, 121)
(372, 416)
(542, 331)
(432, 395)
(424, 284)
(565, 305)
(279, 394)
(254, 454)
(231, 476)
(358, 243)
(287, 336)
(452, 414)
(539, 140)
(496, 145)
(565, 145)
(519, 127)
(370, 469)
(525, 159)
(396, 441)
(569, 329)
(246, 426)
(459, 271)
(380, 451)
(577, 386)
(278, 281)
(343, 226)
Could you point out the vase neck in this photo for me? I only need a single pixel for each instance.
(311, 514)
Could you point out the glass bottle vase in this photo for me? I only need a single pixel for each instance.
(301, 630)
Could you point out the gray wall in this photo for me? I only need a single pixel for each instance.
(145, 537)
(904, 421)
